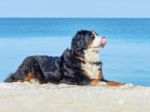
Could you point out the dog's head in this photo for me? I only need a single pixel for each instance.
(84, 40)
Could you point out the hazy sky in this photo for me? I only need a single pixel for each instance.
(75, 8)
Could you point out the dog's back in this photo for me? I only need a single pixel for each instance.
(38, 68)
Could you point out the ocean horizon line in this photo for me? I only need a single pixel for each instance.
(74, 17)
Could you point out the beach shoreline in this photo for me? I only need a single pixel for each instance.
(25, 97)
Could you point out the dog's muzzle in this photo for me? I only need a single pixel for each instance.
(103, 42)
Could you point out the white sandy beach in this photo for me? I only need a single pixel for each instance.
(24, 97)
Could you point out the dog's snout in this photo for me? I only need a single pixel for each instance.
(103, 41)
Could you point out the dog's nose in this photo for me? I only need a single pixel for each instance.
(103, 41)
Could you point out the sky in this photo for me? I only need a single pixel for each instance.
(75, 8)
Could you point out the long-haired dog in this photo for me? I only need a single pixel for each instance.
(80, 65)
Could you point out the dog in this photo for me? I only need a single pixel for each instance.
(79, 65)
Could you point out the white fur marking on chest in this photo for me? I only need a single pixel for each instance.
(91, 69)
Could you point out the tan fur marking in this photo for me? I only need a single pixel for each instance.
(31, 78)
(90, 46)
(111, 83)
(94, 82)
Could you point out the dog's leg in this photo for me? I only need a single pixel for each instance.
(29, 71)
(31, 78)
(108, 83)
(94, 82)
(113, 83)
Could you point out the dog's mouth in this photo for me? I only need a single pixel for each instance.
(103, 42)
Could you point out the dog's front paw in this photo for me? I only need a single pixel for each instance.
(101, 83)
(112, 83)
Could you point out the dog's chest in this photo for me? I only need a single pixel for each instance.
(92, 70)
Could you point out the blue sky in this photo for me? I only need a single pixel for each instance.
(75, 8)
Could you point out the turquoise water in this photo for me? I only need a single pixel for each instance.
(125, 58)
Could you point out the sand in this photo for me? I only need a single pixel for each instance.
(25, 97)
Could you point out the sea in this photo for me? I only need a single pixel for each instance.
(126, 57)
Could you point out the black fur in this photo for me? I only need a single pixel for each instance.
(64, 69)
(81, 41)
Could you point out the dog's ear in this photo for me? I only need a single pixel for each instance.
(80, 41)
(77, 45)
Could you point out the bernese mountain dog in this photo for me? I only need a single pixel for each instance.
(79, 65)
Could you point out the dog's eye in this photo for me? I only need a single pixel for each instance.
(93, 37)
